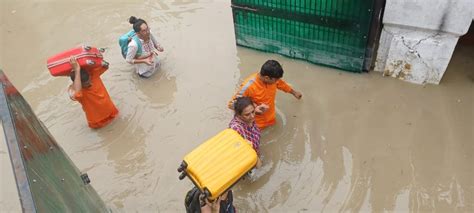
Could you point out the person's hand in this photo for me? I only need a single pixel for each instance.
(207, 207)
(160, 48)
(259, 163)
(297, 94)
(74, 64)
(260, 109)
(149, 60)
(231, 104)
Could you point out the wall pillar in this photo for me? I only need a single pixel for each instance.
(419, 36)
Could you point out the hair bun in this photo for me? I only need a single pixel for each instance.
(132, 20)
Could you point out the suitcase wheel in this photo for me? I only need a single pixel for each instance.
(183, 166)
(90, 62)
(87, 48)
(182, 175)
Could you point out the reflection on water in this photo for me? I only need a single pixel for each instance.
(355, 142)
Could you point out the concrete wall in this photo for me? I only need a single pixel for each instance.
(419, 36)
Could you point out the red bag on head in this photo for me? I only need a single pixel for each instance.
(88, 58)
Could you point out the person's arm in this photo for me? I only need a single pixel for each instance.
(243, 91)
(132, 52)
(282, 85)
(148, 60)
(259, 163)
(230, 104)
(71, 93)
(156, 44)
(207, 208)
(297, 94)
(261, 108)
(77, 84)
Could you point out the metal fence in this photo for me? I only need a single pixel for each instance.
(329, 32)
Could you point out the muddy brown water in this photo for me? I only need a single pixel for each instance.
(355, 142)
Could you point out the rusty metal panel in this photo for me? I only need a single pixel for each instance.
(47, 180)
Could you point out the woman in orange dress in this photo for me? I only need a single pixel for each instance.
(87, 88)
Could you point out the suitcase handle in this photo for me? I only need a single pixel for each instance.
(206, 193)
(66, 60)
(203, 197)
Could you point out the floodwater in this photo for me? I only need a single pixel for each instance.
(355, 142)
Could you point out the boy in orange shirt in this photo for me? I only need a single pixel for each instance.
(87, 88)
(261, 88)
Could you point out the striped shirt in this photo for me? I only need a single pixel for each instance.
(250, 132)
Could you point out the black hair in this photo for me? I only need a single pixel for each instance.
(84, 76)
(241, 103)
(137, 22)
(272, 69)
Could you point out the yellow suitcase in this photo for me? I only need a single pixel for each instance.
(218, 163)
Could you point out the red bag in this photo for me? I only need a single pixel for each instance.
(88, 58)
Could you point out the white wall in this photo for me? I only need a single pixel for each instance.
(419, 36)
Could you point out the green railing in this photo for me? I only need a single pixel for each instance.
(328, 32)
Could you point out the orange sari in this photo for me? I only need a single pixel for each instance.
(96, 102)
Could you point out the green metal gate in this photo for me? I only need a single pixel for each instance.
(329, 32)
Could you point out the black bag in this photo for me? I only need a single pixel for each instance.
(191, 201)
